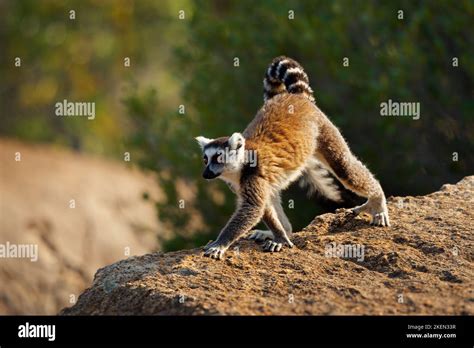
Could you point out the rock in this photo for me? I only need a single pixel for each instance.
(109, 219)
(418, 266)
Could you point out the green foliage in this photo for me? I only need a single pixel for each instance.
(407, 59)
(402, 60)
(165, 144)
(190, 62)
(79, 59)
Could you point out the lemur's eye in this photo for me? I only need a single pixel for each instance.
(205, 160)
(214, 158)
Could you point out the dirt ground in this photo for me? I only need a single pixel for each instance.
(423, 264)
(109, 219)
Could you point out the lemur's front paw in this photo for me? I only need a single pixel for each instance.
(377, 211)
(276, 245)
(215, 250)
(261, 236)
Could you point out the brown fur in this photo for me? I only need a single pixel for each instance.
(283, 140)
(287, 134)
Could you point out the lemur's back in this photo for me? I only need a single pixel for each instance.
(284, 131)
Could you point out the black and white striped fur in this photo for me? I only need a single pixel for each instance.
(319, 179)
(286, 75)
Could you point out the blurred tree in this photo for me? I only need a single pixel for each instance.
(81, 56)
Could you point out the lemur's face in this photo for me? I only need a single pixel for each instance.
(222, 156)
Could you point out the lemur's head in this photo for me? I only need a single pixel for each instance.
(222, 156)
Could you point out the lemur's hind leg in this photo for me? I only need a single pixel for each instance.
(262, 235)
(276, 201)
(334, 152)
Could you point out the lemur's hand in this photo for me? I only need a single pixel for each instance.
(377, 209)
(215, 250)
(276, 244)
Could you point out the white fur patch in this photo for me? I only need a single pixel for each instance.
(280, 65)
(232, 178)
(236, 140)
(318, 179)
(210, 152)
(203, 141)
(293, 70)
(266, 86)
(302, 84)
(290, 177)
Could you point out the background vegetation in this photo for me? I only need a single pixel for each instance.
(188, 64)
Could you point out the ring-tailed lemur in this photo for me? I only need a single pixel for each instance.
(289, 138)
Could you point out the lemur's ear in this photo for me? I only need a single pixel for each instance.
(203, 141)
(236, 141)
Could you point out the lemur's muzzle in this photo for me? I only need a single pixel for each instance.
(209, 174)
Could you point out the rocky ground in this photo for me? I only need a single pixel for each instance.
(423, 264)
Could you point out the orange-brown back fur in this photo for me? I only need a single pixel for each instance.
(283, 140)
